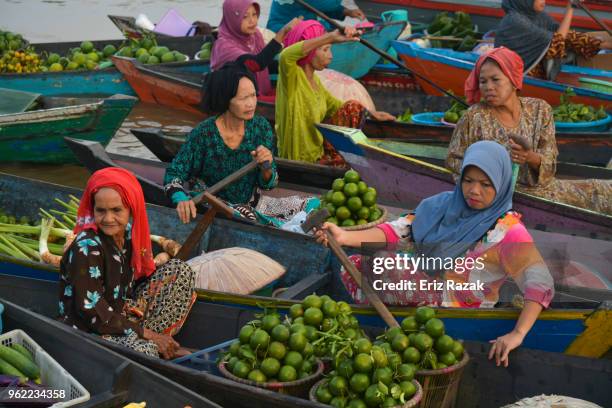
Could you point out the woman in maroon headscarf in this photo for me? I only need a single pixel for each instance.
(109, 285)
(498, 111)
(240, 39)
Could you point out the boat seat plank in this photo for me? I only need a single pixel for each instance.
(306, 286)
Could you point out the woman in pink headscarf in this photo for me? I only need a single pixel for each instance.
(240, 39)
(301, 99)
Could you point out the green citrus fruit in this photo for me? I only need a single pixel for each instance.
(311, 333)
(338, 184)
(363, 363)
(345, 368)
(231, 363)
(296, 310)
(241, 369)
(328, 196)
(332, 220)
(458, 350)
(356, 403)
(363, 213)
(423, 314)
(298, 320)
(270, 367)
(338, 386)
(56, 67)
(312, 301)
(351, 176)
(146, 43)
(354, 204)
(280, 333)
(268, 322)
(313, 316)
(379, 356)
(330, 308)
(293, 359)
(408, 388)
(350, 190)
(343, 213)
(395, 360)
(410, 325)
(391, 333)
(109, 50)
(53, 58)
(159, 53)
(87, 46)
(423, 342)
(298, 328)
(323, 395)
(338, 199)
(434, 327)
(400, 342)
(372, 396)
(361, 222)
(153, 60)
(287, 373)
(277, 350)
(411, 355)
(167, 57)
(374, 216)
(344, 307)
(363, 346)
(297, 342)
(306, 367)
(363, 187)
(383, 374)
(348, 223)
(140, 52)
(234, 348)
(368, 199)
(144, 58)
(245, 334)
(359, 382)
(405, 372)
(327, 324)
(259, 339)
(444, 344)
(308, 350)
(390, 402)
(447, 358)
(338, 402)
(331, 208)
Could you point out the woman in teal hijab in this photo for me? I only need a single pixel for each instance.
(475, 223)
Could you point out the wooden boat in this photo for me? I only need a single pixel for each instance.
(411, 180)
(485, 13)
(531, 372)
(38, 136)
(165, 145)
(179, 90)
(106, 81)
(111, 379)
(449, 69)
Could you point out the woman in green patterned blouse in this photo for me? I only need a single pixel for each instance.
(224, 143)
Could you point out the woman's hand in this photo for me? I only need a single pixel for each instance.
(336, 232)
(282, 33)
(503, 345)
(186, 211)
(262, 155)
(166, 345)
(521, 156)
(350, 34)
(382, 116)
(354, 13)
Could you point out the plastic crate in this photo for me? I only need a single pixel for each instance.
(52, 374)
(205, 359)
(428, 118)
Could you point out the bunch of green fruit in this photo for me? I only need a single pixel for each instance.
(11, 42)
(576, 112)
(147, 51)
(455, 112)
(459, 27)
(205, 51)
(405, 117)
(351, 201)
(83, 57)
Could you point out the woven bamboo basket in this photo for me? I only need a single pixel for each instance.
(382, 219)
(440, 386)
(412, 402)
(298, 388)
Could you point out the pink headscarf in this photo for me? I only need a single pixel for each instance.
(305, 30)
(510, 63)
(232, 43)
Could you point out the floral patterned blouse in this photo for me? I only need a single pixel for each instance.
(205, 159)
(96, 280)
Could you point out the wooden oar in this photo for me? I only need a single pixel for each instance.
(593, 16)
(216, 206)
(525, 144)
(457, 39)
(381, 52)
(315, 220)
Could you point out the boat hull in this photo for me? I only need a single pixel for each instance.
(38, 136)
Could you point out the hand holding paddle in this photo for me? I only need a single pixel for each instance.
(315, 220)
(520, 150)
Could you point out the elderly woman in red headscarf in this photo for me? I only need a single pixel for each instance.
(497, 112)
(109, 285)
(301, 99)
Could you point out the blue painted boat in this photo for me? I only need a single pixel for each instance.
(449, 69)
(310, 267)
(107, 81)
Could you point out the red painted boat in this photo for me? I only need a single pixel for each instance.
(487, 13)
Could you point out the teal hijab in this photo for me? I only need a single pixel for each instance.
(445, 225)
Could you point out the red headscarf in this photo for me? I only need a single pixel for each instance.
(510, 63)
(128, 187)
(305, 30)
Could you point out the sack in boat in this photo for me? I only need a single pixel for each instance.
(345, 88)
(235, 270)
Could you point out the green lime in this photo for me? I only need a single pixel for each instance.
(313, 316)
(444, 344)
(144, 58)
(338, 184)
(338, 386)
(345, 368)
(153, 60)
(308, 350)
(458, 350)
(411, 355)
(126, 52)
(328, 196)
(178, 57)
(167, 57)
(270, 367)
(447, 358)
(363, 346)
(338, 402)
(331, 208)
(363, 363)
(343, 213)
(147, 43)
(241, 369)
(356, 403)
(363, 187)
(363, 213)
(351, 176)
(383, 374)
(410, 325)
(374, 215)
(405, 372)
(332, 220)
(312, 301)
(379, 356)
(368, 199)
(348, 223)
(287, 373)
(306, 367)
(391, 333)
(327, 324)
(234, 348)
(311, 333)
(434, 327)
(354, 204)
(408, 389)
(395, 360)
(109, 50)
(330, 308)
(344, 307)
(56, 67)
(373, 397)
(296, 310)
(400, 342)
(159, 53)
(259, 339)
(351, 333)
(277, 350)
(293, 359)
(338, 199)
(280, 333)
(423, 314)
(140, 52)
(350, 189)
(268, 322)
(298, 320)
(323, 395)
(72, 66)
(361, 222)
(297, 342)
(423, 342)
(245, 334)
(53, 58)
(298, 328)
(231, 363)
(87, 46)
(359, 382)
(390, 402)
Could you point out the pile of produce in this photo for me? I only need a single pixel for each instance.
(405, 117)
(84, 57)
(16, 56)
(455, 112)
(147, 51)
(11, 41)
(205, 51)
(576, 112)
(350, 201)
(17, 361)
(380, 374)
(460, 27)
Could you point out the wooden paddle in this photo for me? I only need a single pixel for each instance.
(216, 206)
(593, 16)
(316, 219)
(525, 144)
(381, 52)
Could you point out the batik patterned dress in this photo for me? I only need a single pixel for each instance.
(536, 125)
(98, 293)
